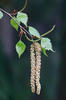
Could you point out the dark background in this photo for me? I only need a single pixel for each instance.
(14, 72)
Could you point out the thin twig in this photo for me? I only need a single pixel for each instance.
(32, 40)
(28, 38)
(41, 35)
(22, 8)
(48, 31)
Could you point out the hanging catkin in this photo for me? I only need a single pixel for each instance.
(32, 78)
(35, 51)
(38, 66)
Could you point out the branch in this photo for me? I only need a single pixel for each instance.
(16, 21)
(26, 30)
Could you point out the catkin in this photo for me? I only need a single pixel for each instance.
(32, 78)
(35, 51)
(38, 66)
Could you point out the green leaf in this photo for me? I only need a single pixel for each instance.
(46, 43)
(34, 32)
(20, 48)
(1, 14)
(13, 23)
(22, 17)
(44, 52)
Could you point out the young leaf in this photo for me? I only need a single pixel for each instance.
(13, 23)
(22, 17)
(34, 32)
(20, 48)
(1, 14)
(44, 52)
(46, 43)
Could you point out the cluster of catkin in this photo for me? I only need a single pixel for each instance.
(35, 55)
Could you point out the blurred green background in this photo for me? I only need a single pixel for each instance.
(14, 72)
